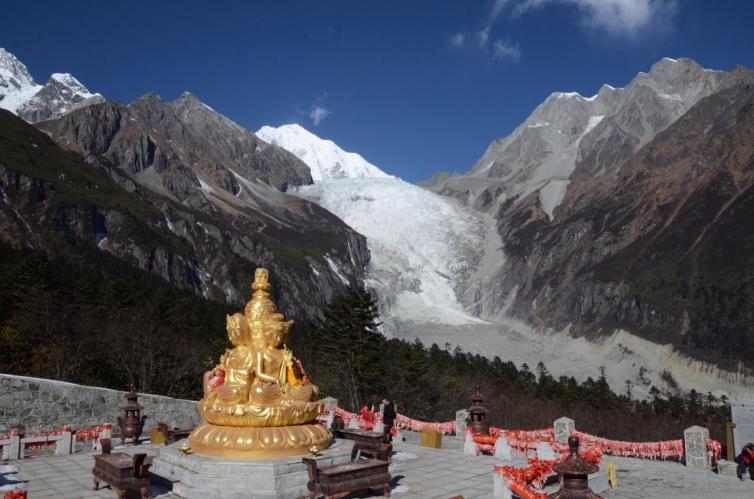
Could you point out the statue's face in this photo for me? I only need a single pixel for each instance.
(275, 335)
(258, 340)
(235, 326)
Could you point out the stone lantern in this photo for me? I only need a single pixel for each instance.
(132, 424)
(478, 415)
(574, 472)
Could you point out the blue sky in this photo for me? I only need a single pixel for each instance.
(414, 86)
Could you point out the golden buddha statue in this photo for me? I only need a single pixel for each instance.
(254, 405)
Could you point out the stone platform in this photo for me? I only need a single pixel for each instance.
(204, 477)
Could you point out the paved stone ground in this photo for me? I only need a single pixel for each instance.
(70, 477)
(638, 478)
(417, 473)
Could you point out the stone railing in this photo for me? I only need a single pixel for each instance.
(34, 405)
(14, 445)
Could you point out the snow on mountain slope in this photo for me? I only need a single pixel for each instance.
(421, 244)
(325, 159)
(21, 95)
(16, 83)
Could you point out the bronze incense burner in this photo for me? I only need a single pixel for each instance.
(478, 415)
(575, 475)
(132, 424)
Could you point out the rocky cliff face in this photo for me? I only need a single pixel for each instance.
(662, 247)
(609, 208)
(212, 202)
(52, 198)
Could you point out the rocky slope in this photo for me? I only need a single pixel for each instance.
(50, 196)
(216, 188)
(662, 247)
(21, 95)
(626, 211)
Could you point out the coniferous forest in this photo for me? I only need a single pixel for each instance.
(79, 315)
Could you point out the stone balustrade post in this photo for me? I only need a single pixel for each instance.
(398, 438)
(105, 431)
(695, 448)
(330, 403)
(15, 450)
(469, 446)
(461, 417)
(545, 452)
(562, 429)
(502, 449)
(64, 445)
(500, 488)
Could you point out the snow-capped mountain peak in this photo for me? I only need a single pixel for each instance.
(21, 95)
(16, 83)
(325, 159)
(69, 81)
(11, 67)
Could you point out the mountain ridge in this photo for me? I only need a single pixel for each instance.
(556, 139)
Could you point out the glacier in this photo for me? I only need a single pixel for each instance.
(421, 245)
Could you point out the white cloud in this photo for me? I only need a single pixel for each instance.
(481, 41)
(620, 18)
(506, 50)
(484, 37)
(318, 113)
(628, 19)
(497, 9)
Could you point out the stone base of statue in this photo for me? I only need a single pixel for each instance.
(206, 477)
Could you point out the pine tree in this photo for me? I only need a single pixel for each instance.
(348, 347)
